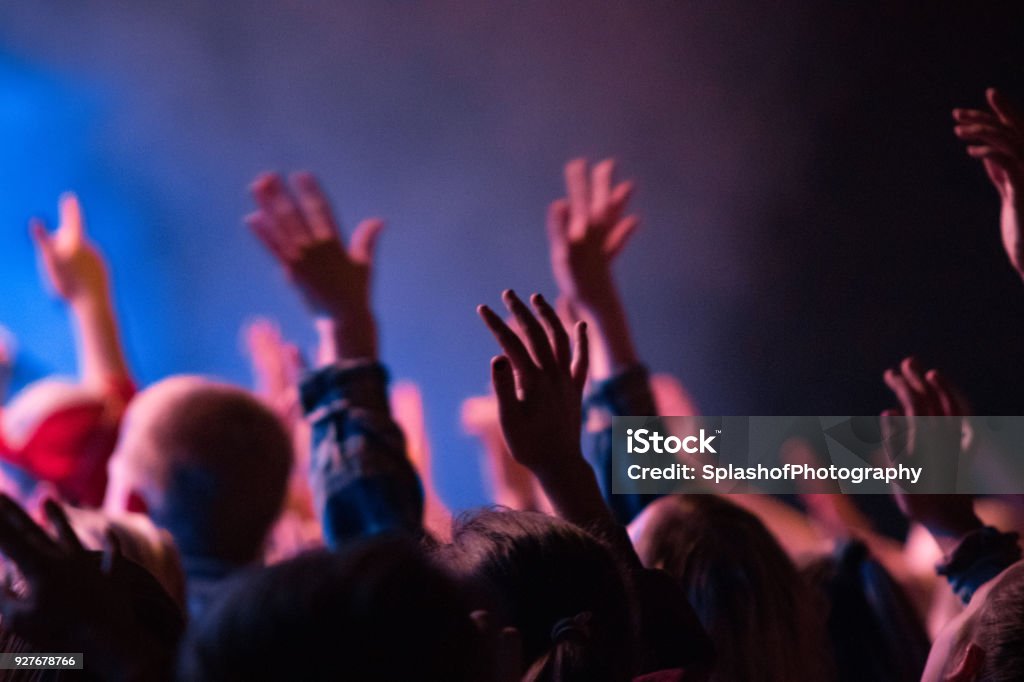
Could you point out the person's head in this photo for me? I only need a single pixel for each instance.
(746, 591)
(207, 461)
(377, 610)
(868, 612)
(984, 643)
(60, 434)
(558, 586)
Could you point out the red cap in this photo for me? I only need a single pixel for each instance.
(66, 439)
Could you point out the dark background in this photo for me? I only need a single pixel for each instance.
(809, 217)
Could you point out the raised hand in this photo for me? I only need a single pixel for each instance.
(908, 431)
(72, 265)
(276, 366)
(539, 385)
(996, 137)
(77, 272)
(586, 231)
(297, 226)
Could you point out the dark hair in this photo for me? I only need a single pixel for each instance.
(873, 628)
(558, 585)
(379, 610)
(745, 590)
(999, 629)
(158, 621)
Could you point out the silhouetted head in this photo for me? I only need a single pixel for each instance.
(557, 585)
(745, 590)
(985, 643)
(207, 461)
(378, 611)
(869, 612)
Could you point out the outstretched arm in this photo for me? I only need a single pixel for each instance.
(586, 230)
(407, 406)
(298, 227)
(76, 271)
(362, 481)
(538, 381)
(996, 137)
(974, 553)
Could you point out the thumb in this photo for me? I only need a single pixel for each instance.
(42, 239)
(997, 174)
(363, 244)
(558, 221)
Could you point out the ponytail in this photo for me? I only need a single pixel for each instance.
(570, 656)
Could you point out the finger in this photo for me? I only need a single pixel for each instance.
(904, 393)
(71, 218)
(262, 226)
(581, 358)
(927, 401)
(997, 173)
(284, 216)
(926, 396)
(558, 221)
(1005, 160)
(364, 240)
(576, 188)
(621, 195)
(58, 519)
(42, 238)
(993, 137)
(557, 335)
(601, 188)
(315, 206)
(945, 399)
(262, 331)
(971, 131)
(894, 432)
(620, 234)
(21, 540)
(262, 339)
(953, 403)
(911, 370)
(1005, 110)
(504, 381)
(536, 339)
(975, 116)
(1009, 177)
(509, 342)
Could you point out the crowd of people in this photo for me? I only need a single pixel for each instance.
(197, 530)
